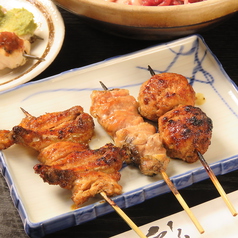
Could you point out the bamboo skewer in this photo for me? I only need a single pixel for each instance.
(217, 184)
(123, 215)
(181, 201)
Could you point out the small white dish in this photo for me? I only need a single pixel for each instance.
(50, 28)
(46, 209)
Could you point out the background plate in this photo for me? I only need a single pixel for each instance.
(45, 209)
(50, 28)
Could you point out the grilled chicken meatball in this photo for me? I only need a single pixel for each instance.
(184, 131)
(163, 92)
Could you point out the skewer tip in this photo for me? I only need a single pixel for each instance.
(25, 112)
(103, 85)
(33, 57)
(152, 72)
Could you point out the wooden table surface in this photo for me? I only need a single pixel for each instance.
(83, 46)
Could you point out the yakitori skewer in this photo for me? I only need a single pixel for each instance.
(116, 111)
(193, 127)
(61, 160)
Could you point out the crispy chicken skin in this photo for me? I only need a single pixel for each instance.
(6, 139)
(82, 184)
(105, 159)
(39, 132)
(86, 173)
(57, 153)
(184, 131)
(163, 92)
(117, 112)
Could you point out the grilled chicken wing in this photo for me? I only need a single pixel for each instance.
(39, 132)
(61, 138)
(184, 131)
(163, 92)
(117, 112)
(82, 184)
(76, 157)
(86, 172)
(59, 152)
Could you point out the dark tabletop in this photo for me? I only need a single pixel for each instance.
(84, 45)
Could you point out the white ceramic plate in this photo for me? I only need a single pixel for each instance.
(213, 215)
(50, 27)
(44, 208)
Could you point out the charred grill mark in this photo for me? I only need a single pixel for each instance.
(195, 121)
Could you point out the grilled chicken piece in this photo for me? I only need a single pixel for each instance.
(6, 139)
(86, 173)
(82, 184)
(39, 132)
(72, 156)
(58, 153)
(12, 49)
(115, 109)
(163, 92)
(184, 131)
(117, 112)
(145, 147)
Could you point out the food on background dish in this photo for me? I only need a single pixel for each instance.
(18, 20)
(12, 50)
(117, 112)
(163, 92)
(154, 2)
(17, 29)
